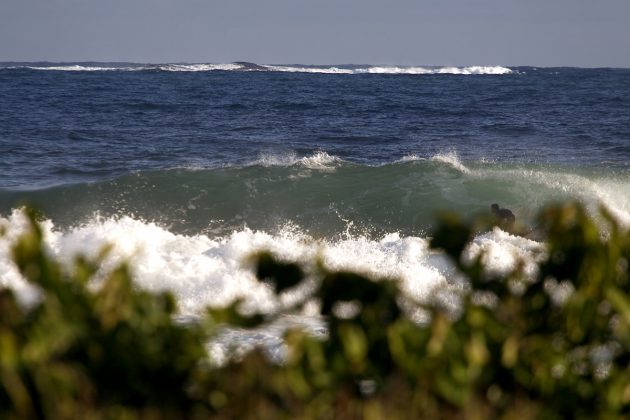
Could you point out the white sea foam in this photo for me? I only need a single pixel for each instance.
(139, 67)
(436, 70)
(501, 252)
(202, 270)
(410, 158)
(204, 67)
(452, 159)
(479, 70)
(268, 159)
(80, 68)
(321, 70)
(319, 160)
(198, 67)
(474, 70)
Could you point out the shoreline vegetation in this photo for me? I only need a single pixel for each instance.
(553, 346)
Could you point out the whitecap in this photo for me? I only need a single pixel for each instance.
(321, 70)
(410, 158)
(203, 270)
(207, 67)
(198, 67)
(320, 160)
(478, 70)
(452, 159)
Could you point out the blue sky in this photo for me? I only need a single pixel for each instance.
(583, 33)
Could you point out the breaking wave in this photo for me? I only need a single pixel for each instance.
(205, 270)
(244, 66)
(318, 160)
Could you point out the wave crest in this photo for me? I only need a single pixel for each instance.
(452, 159)
(239, 66)
(437, 70)
(319, 160)
(196, 67)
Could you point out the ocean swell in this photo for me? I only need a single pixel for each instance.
(321, 193)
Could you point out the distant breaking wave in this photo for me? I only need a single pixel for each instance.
(245, 66)
(319, 160)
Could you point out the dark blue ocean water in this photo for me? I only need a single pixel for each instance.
(384, 147)
(72, 126)
(187, 169)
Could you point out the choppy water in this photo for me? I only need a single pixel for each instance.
(188, 168)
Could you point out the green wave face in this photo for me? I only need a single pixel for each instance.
(326, 200)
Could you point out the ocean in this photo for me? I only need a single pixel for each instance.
(188, 169)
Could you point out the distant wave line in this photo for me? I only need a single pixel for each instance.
(245, 66)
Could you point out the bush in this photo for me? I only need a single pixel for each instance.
(555, 346)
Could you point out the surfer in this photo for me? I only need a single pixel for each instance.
(504, 217)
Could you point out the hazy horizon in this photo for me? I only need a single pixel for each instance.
(322, 65)
(565, 33)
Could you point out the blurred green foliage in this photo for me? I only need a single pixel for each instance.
(553, 346)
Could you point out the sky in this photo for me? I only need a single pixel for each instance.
(583, 33)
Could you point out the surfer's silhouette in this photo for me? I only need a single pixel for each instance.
(504, 217)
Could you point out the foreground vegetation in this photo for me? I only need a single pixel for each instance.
(555, 346)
